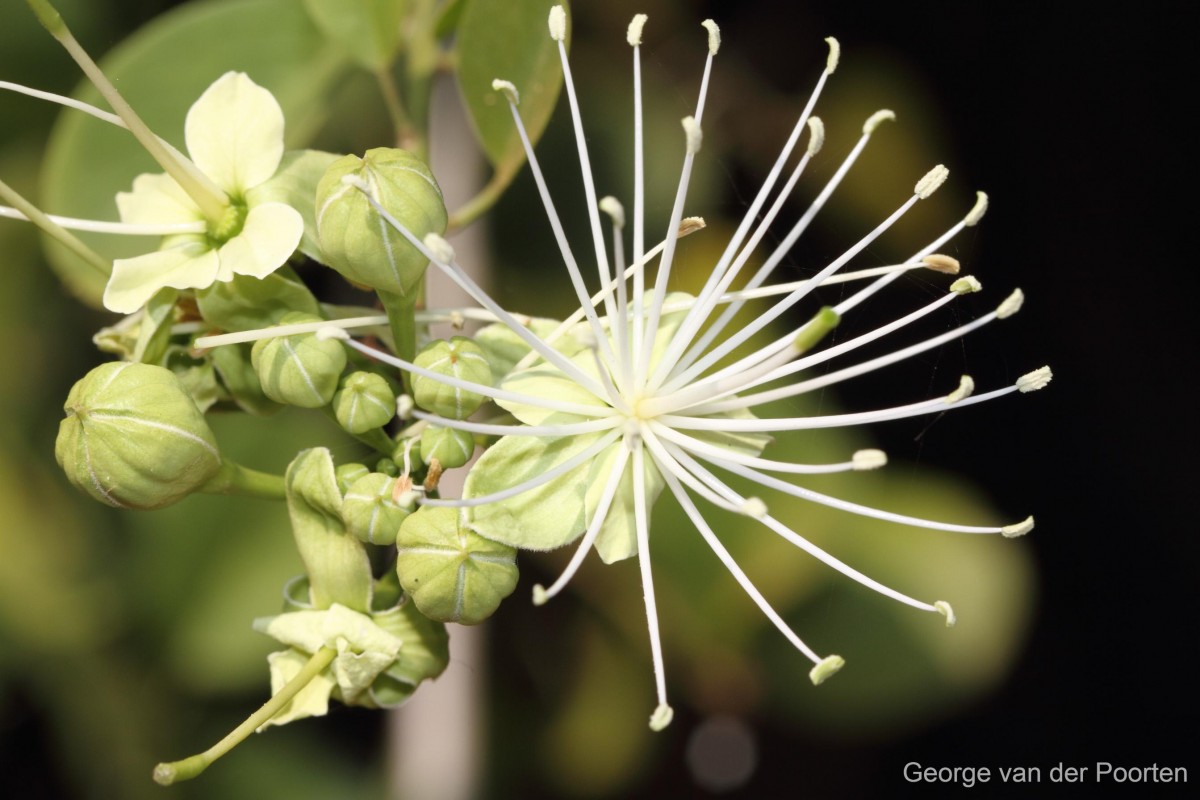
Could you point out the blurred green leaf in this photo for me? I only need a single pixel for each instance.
(510, 40)
(161, 70)
(367, 30)
(448, 19)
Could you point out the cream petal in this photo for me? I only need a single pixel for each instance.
(135, 280)
(269, 236)
(234, 133)
(156, 199)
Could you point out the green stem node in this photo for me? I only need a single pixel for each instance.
(171, 772)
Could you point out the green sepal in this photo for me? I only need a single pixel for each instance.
(199, 379)
(451, 572)
(424, 656)
(347, 474)
(295, 184)
(336, 563)
(236, 369)
(246, 303)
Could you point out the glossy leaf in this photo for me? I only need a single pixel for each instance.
(510, 40)
(367, 30)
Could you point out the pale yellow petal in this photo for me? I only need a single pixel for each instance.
(234, 133)
(269, 237)
(156, 199)
(135, 280)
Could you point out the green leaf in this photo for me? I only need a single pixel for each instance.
(161, 70)
(448, 19)
(368, 31)
(246, 303)
(336, 563)
(509, 40)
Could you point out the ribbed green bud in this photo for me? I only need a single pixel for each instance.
(371, 510)
(360, 245)
(133, 438)
(452, 448)
(458, 358)
(364, 402)
(347, 474)
(452, 573)
(387, 467)
(300, 370)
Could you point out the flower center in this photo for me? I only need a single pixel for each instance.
(230, 224)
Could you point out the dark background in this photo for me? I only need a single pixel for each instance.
(1075, 123)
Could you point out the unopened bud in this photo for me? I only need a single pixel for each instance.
(364, 402)
(460, 359)
(450, 447)
(452, 573)
(299, 370)
(372, 513)
(357, 242)
(133, 438)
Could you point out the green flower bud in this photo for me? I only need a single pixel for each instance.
(133, 438)
(458, 358)
(300, 370)
(371, 510)
(387, 467)
(355, 241)
(347, 474)
(452, 573)
(452, 448)
(364, 402)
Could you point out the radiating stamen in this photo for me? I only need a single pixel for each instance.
(867, 460)
(123, 228)
(799, 541)
(727, 267)
(663, 713)
(739, 575)
(552, 217)
(780, 307)
(616, 212)
(634, 37)
(558, 471)
(541, 595)
(563, 429)
(692, 129)
(780, 252)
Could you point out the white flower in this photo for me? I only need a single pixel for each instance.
(234, 135)
(636, 393)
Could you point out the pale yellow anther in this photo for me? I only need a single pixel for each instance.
(825, 669)
(510, 92)
(558, 23)
(977, 211)
(931, 182)
(540, 595)
(966, 284)
(634, 34)
(754, 507)
(939, 262)
(1011, 305)
(439, 248)
(689, 225)
(331, 332)
(876, 119)
(816, 135)
(714, 36)
(612, 206)
(868, 459)
(1032, 381)
(835, 53)
(691, 129)
(946, 611)
(966, 387)
(1019, 529)
(661, 717)
(404, 406)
